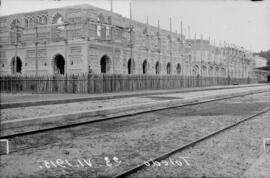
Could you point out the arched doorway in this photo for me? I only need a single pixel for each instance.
(169, 68)
(16, 66)
(105, 64)
(59, 64)
(157, 67)
(178, 69)
(145, 67)
(131, 66)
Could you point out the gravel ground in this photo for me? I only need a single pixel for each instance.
(261, 166)
(135, 139)
(36, 111)
(23, 97)
(229, 154)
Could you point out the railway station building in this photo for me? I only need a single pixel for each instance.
(85, 39)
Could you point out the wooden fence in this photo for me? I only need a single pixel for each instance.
(101, 83)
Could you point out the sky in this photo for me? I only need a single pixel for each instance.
(243, 23)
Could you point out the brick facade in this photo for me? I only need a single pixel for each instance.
(88, 38)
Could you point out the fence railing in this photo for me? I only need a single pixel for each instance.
(101, 83)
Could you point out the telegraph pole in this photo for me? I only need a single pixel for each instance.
(201, 51)
(131, 42)
(159, 47)
(87, 44)
(170, 45)
(66, 44)
(148, 45)
(36, 47)
(112, 41)
(16, 50)
(15, 28)
(111, 5)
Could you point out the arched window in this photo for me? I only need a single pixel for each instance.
(105, 64)
(58, 19)
(40, 20)
(26, 23)
(44, 21)
(131, 66)
(14, 24)
(178, 69)
(168, 68)
(98, 28)
(30, 23)
(108, 30)
(109, 20)
(145, 67)
(157, 67)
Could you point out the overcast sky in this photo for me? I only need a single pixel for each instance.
(241, 22)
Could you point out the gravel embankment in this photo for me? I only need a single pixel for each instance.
(45, 110)
(229, 154)
(137, 138)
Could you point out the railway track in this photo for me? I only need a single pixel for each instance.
(188, 145)
(12, 137)
(120, 137)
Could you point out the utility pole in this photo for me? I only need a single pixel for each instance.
(159, 47)
(131, 42)
(201, 51)
(87, 45)
(15, 30)
(36, 47)
(112, 41)
(16, 49)
(148, 44)
(170, 46)
(111, 5)
(181, 32)
(66, 46)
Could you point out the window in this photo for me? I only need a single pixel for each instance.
(58, 19)
(108, 32)
(98, 28)
(26, 23)
(40, 20)
(44, 21)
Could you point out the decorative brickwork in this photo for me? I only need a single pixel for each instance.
(84, 34)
